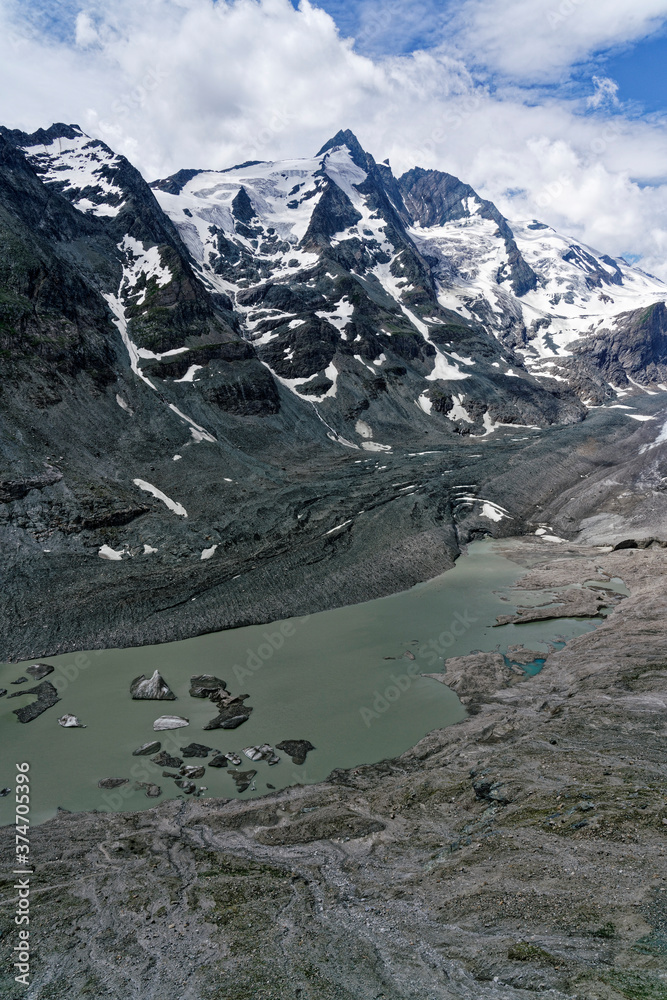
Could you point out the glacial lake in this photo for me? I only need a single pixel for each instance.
(340, 679)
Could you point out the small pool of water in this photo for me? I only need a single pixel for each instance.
(348, 680)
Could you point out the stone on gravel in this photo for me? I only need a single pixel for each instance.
(153, 688)
(170, 722)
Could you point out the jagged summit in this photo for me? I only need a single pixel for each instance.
(345, 137)
(59, 130)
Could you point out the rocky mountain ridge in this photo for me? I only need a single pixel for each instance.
(305, 364)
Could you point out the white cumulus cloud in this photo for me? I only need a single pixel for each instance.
(197, 83)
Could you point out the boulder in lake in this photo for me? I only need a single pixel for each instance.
(193, 772)
(39, 670)
(242, 779)
(218, 761)
(47, 696)
(234, 759)
(164, 759)
(170, 722)
(263, 752)
(4, 792)
(3, 692)
(205, 685)
(70, 722)
(112, 782)
(296, 749)
(152, 791)
(196, 750)
(153, 688)
(20, 680)
(147, 748)
(231, 720)
(188, 786)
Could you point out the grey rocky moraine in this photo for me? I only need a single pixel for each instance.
(519, 853)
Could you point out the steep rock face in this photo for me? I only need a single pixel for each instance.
(634, 349)
(433, 199)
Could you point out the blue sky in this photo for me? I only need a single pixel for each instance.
(641, 73)
(554, 109)
(386, 27)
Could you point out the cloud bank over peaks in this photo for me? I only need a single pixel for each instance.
(197, 83)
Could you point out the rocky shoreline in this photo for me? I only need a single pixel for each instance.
(518, 853)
